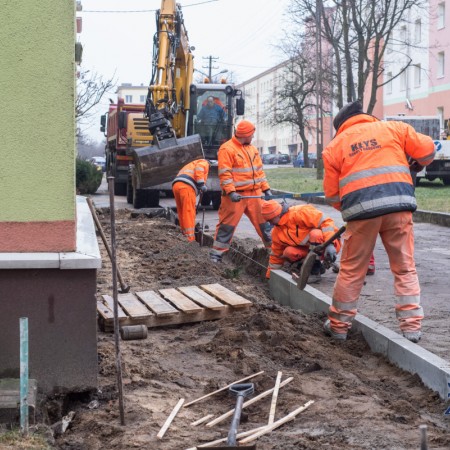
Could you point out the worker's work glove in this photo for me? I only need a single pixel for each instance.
(414, 166)
(203, 188)
(267, 194)
(235, 197)
(330, 253)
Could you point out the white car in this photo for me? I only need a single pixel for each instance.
(99, 161)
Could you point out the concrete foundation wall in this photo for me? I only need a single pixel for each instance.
(61, 310)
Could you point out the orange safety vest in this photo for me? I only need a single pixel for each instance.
(366, 167)
(240, 167)
(293, 230)
(195, 174)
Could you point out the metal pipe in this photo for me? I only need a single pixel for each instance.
(423, 437)
(24, 375)
(116, 299)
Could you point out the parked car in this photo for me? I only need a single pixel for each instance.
(300, 162)
(99, 162)
(282, 158)
(268, 158)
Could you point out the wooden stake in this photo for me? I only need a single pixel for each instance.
(273, 405)
(166, 425)
(239, 435)
(222, 389)
(278, 423)
(247, 403)
(203, 419)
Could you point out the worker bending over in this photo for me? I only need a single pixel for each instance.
(241, 175)
(191, 180)
(295, 229)
(367, 178)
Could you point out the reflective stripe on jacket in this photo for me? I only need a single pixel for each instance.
(366, 168)
(293, 230)
(240, 167)
(195, 174)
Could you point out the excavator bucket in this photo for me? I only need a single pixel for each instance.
(160, 163)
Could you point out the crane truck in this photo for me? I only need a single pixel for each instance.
(172, 113)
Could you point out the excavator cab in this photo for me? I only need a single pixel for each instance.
(212, 111)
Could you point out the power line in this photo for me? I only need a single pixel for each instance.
(243, 65)
(144, 10)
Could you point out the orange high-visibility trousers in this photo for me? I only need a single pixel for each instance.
(397, 235)
(294, 254)
(230, 214)
(185, 201)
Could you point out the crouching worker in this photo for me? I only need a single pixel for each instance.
(295, 229)
(191, 180)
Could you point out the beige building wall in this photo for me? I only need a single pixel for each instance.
(37, 88)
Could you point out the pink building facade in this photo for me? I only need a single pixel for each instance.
(424, 88)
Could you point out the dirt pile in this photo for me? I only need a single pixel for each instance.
(361, 401)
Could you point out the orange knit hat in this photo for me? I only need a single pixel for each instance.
(270, 209)
(244, 129)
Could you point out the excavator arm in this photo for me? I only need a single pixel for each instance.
(168, 96)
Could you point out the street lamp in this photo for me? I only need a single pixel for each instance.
(212, 77)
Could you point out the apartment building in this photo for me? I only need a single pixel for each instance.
(132, 94)
(423, 89)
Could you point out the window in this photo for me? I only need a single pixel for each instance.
(440, 113)
(128, 99)
(142, 98)
(417, 75)
(389, 83)
(403, 34)
(440, 64)
(403, 81)
(441, 16)
(417, 31)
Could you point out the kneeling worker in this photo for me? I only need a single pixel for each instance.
(191, 180)
(295, 229)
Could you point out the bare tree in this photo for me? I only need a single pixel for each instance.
(359, 32)
(90, 89)
(295, 96)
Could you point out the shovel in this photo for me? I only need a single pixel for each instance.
(310, 259)
(241, 391)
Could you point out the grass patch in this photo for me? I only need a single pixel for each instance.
(430, 195)
(14, 440)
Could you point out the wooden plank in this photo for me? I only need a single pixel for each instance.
(225, 295)
(109, 301)
(273, 404)
(201, 297)
(172, 319)
(170, 419)
(104, 311)
(278, 423)
(156, 303)
(133, 307)
(248, 403)
(180, 301)
(222, 389)
(10, 393)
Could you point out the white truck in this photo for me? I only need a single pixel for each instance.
(430, 125)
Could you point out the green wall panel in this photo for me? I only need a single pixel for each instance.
(37, 91)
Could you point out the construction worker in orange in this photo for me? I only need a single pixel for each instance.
(241, 175)
(367, 178)
(295, 229)
(191, 180)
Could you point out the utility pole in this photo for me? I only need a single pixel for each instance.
(210, 67)
(319, 118)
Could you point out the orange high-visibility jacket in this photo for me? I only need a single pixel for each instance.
(293, 230)
(240, 167)
(195, 174)
(366, 168)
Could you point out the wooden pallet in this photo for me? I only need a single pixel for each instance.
(170, 306)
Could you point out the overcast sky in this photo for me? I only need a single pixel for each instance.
(242, 34)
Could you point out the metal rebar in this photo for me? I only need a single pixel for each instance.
(24, 375)
(116, 299)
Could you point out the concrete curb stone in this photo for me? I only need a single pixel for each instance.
(431, 369)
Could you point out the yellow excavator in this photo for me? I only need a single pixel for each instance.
(173, 108)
